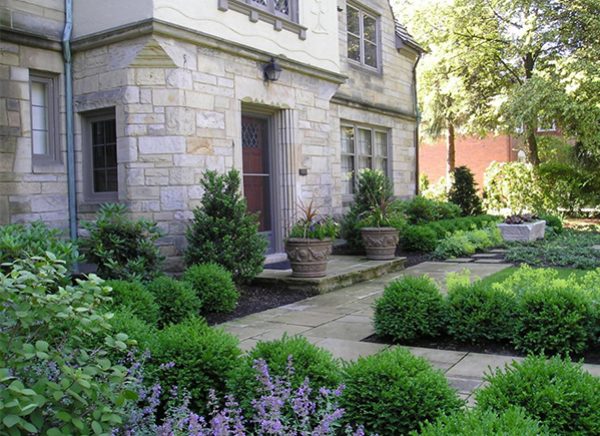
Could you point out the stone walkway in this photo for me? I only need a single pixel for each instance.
(338, 321)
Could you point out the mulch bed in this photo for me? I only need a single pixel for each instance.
(447, 343)
(254, 299)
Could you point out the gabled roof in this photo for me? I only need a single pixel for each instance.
(403, 38)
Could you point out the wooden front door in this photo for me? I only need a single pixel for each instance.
(257, 172)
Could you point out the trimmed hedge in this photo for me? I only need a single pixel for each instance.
(557, 392)
(513, 422)
(214, 287)
(134, 297)
(410, 308)
(177, 300)
(309, 361)
(393, 392)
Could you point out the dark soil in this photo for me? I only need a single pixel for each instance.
(448, 343)
(254, 299)
(413, 259)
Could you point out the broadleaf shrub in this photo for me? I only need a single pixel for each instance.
(421, 210)
(393, 392)
(309, 362)
(177, 300)
(479, 313)
(135, 298)
(195, 358)
(464, 192)
(223, 232)
(512, 422)
(557, 392)
(122, 248)
(468, 243)
(410, 308)
(20, 241)
(49, 376)
(214, 287)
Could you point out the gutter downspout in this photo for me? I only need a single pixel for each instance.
(418, 116)
(72, 193)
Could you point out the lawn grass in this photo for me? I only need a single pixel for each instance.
(506, 273)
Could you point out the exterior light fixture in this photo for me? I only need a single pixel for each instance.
(272, 71)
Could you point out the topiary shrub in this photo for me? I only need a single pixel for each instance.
(410, 308)
(478, 313)
(513, 422)
(223, 232)
(464, 192)
(135, 298)
(177, 300)
(122, 248)
(557, 392)
(418, 238)
(195, 358)
(19, 241)
(393, 392)
(554, 319)
(309, 361)
(214, 287)
(50, 378)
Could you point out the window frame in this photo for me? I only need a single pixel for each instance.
(356, 156)
(362, 13)
(90, 195)
(50, 82)
(270, 8)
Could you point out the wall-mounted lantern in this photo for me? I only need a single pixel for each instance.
(272, 71)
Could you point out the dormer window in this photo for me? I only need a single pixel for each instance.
(363, 36)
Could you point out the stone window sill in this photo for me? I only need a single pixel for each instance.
(256, 14)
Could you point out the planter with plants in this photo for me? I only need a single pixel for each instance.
(310, 243)
(523, 228)
(379, 238)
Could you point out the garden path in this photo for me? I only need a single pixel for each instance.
(340, 320)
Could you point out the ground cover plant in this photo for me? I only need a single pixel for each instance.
(122, 248)
(557, 392)
(571, 248)
(223, 232)
(464, 244)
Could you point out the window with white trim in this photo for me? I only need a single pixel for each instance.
(362, 148)
(363, 36)
(44, 118)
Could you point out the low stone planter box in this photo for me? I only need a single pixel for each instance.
(526, 232)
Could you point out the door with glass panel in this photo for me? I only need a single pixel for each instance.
(257, 173)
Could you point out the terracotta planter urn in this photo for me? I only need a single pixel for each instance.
(308, 257)
(380, 242)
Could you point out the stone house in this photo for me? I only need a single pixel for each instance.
(131, 101)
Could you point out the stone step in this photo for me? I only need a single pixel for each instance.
(342, 271)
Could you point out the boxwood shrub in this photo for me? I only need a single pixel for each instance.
(557, 392)
(554, 319)
(410, 308)
(513, 422)
(177, 300)
(134, 297)
(214, 286)
(479, 313)
(194, 358)
(393, 392)
(308, 361)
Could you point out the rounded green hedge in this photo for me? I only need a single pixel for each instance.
(307, 359)
(513, 422)
(393, 392)
(134, 297)
(557, 392)
(479, 313)
(177, 300)
(214, 287)
(410, 308)
(195, 358)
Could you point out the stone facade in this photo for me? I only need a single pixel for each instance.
(178, 96)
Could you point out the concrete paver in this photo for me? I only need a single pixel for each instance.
(340, 320)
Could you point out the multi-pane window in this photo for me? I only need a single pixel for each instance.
(104, 156)
(362, 148)
(285, 8)
(363, 37)
(43, 118)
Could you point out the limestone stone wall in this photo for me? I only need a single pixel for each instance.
(28, 192)
(39, 17)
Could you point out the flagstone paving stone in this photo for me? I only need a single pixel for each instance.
(339, 321)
